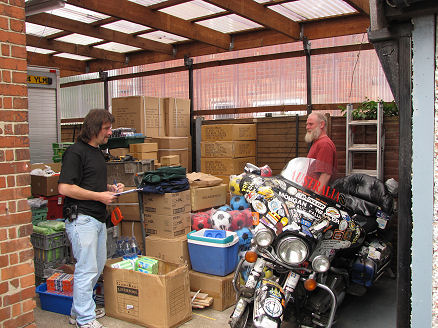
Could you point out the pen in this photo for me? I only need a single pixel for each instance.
(115, 184)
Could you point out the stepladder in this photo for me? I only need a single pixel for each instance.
(362, 154)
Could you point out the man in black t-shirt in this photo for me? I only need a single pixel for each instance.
(83, 182)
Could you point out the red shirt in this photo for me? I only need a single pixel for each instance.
(324, 150)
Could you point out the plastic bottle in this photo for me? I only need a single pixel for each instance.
(126, 247)
(134, 246)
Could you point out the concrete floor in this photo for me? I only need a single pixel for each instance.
(376, 309)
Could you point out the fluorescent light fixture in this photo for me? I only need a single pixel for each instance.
(39, 6)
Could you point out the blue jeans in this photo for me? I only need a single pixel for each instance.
(88, 239)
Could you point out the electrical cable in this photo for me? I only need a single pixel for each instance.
(355, 64)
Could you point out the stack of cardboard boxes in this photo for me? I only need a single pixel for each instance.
(226, 148)
(167, 222)
(165, 121)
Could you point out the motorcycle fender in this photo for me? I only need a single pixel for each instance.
(269, 305)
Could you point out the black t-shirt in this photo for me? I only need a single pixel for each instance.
(84, 165)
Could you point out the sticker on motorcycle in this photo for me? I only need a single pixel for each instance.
(273, 307)
(284, 221)
(273, 217)
(259, 206)
(332, 212)
(274, 205)
(292, 191)
(334, 244)
(343, 225)
(338, 235)
(345, 216)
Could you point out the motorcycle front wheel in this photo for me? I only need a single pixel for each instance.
(245, 320)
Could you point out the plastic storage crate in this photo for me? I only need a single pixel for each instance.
(46, 242)
(54, 255)
(216, 256)
(58, 303)
(54, 302)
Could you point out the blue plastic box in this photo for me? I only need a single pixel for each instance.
(216, 256)
(54, 302)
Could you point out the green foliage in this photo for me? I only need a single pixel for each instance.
(367, 110)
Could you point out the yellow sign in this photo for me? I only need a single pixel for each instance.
(39, 79)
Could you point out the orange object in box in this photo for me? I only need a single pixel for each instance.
(60, 283)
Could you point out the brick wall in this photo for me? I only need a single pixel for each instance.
(17, 280)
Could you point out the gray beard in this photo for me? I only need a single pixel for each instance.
(312, 135)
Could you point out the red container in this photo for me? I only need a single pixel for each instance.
(54, 207)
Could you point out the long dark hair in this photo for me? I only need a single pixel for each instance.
(93, 123)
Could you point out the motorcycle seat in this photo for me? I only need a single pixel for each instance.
(364, 194)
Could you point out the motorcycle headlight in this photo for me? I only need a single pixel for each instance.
(292, 250)
(321, 263)
(264, 237)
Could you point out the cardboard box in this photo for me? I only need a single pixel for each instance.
(149, 155)
(232, 149)
(174, 250)
(130, 211)
(177, 117)
(117, 152)
(225, 179)
(171, 142)
(182, 153)
(145, 147)
(128, 198)
(167, 226)
(208, 197)
(220, 288)
(145, 114)
(224, 166)
(158, 301)
(126, 228)
(44, 186)
(56, 167)
(169, 160)
(167, 204)
(124, 172)
(228, 132)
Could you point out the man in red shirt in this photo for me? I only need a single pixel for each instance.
(323, 149)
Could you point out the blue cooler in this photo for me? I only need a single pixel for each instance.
(217, 256)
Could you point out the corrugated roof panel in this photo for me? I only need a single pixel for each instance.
(126, 27)
(72, 56)
(79, 14)
(79, 39)
(39, 30)
(229, 24)
(39, 50)
(192, 9)
(147, 2)
(162, 36)
(117, 47)
(313, 9)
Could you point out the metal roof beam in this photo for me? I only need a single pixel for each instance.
(143, 15)
(98, 32)
(261, 15)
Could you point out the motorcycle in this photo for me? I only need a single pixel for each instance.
(312, 244)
